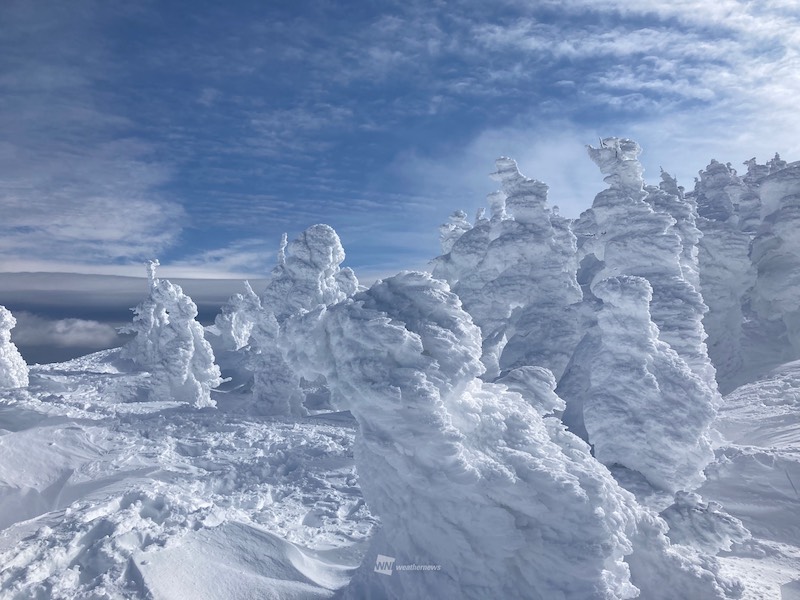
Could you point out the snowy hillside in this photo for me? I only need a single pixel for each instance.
(606, 407)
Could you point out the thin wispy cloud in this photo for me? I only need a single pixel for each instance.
(135, 130)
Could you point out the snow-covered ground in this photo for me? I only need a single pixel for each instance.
(756, 477)
(102, 495)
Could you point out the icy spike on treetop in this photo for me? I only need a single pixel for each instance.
(151, 270)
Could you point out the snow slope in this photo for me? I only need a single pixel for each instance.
(106, 496)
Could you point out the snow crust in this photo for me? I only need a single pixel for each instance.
(170, 343)
(13, 370)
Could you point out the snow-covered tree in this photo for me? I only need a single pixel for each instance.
(472, 476)
(169, 342)
(775, 253)
(633, 398)
(624, 234)
(309, 273)
(464, 474)
(726, 273)
(515, 274)
(234, 324)
(13, 370)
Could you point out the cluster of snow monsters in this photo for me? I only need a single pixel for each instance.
(496, 396)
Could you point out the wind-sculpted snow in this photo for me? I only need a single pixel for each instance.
(637, 401)
(13, 370)
(631, 230)
(515, 274)
(463, 474)
(169, 342)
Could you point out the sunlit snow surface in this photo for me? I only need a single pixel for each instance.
(102, 495)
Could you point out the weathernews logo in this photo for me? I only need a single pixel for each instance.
(385, 566)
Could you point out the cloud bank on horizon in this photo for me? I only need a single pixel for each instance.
(140, 129)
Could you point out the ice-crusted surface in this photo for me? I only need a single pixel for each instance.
(169, 342)
(636, 401)
(463, 474)
(625, 234)
(13, 370)
(515, 274)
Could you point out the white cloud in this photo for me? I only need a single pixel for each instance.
(74, 184)
(34, 330)
(553, 153)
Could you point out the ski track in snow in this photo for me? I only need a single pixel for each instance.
(105, 496)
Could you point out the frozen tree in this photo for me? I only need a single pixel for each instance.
(463, 473)
(726, 273)
(455, 227)
(469, 475)
(234, 324)
(13, 370)
(169, 342)
(623, 234)
(308, 273)
(775, 252)
(515, 274)
(631, 395)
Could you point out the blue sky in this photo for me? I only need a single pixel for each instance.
(198, 132)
